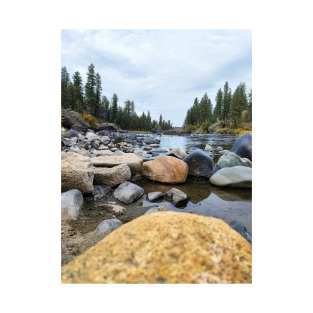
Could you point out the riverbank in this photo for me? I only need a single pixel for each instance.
(102, 162)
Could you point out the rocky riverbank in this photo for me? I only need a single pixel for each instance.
(108, 167)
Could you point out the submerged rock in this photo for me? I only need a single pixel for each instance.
(176, 196)
(243, 146)
(200, 164)
(76, 172)
(112, 176)
(101, 192)
(71, 203)
(156, 195)
(107, 226)
(236, 176)
(165, 247)
(241, 229)
(166, 169)
(128, 192)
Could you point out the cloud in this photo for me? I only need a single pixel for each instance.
(161, 70)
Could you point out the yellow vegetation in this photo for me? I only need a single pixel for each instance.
(90, 119)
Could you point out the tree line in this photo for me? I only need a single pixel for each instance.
(89, 99)
(231, 110)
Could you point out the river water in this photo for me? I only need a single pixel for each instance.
(229, 204)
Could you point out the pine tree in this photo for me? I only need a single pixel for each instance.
(65, 89)
(78, 97)
(219, 105)
(90, 90)
(239, 104)
(161, 122)
(106, 108)
(98, 94)
(226, 104)
(114, 108)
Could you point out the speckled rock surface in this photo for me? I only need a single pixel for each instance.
(165, 247)
(166, 169)
(76, 172)
(112, 176)
(130, 159)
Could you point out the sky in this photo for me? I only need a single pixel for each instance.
(162, 71)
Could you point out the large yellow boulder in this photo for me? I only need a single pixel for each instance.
(165, 247)
(166, 169)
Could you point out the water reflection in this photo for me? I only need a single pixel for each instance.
(227, 204)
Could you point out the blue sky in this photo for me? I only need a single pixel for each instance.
(161, 70)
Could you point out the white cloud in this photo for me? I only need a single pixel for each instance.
(162, 71)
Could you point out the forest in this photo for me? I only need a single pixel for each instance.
(89, 101)
(231, 111)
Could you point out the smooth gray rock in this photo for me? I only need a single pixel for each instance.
(128, 192)
(71, 203)
(107, 226)
(156, 195)
(177, 197)
(236, 176)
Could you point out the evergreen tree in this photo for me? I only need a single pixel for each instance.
(78, 97)
(226, 104)
(65, 88)
(98, 94)
(90, 90)
(219, 105)
(114, 108)
(106, 108)
(160, 121)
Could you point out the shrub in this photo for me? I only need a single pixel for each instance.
(90, 119)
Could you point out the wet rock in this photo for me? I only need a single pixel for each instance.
(200, 164)
(128, 192)
(229, 159)
(71, 203)
(178, 153)
(100, 192)
(107, 226)
(130, 159)
(236, 176)
(163, 204)
(153, 196)
(76, 172)
(165, 247)
(243, 146)
(112, 176)
(177, 197)
(241, 229)
(166, 169)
